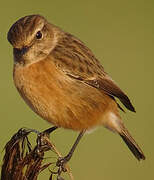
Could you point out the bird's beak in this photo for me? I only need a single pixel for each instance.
(20, 52)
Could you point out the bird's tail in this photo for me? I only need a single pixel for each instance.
(132, 145)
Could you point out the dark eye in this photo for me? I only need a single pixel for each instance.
(39, 35)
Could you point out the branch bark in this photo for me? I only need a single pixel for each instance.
(22, 162)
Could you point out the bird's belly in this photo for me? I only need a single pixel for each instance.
(62, 101)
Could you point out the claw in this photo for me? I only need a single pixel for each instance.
(61, 162)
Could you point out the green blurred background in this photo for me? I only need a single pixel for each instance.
(121, 35)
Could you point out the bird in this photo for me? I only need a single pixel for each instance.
(63, 82)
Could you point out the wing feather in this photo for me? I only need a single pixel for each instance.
(110, 88)
(78, 61)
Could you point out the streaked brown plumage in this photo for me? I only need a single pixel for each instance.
(63, 82)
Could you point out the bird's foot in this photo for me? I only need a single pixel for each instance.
(61, 163)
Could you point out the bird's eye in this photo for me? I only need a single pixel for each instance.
(38, 35)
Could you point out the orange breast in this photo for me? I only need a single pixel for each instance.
(57, 98)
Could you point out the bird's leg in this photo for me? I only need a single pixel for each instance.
(41, 142)
(50, 130)
(63, 160)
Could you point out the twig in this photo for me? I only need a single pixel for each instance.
(59, 155)
(22, 162)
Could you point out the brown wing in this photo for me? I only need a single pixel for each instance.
(78, 61)
(109, 87)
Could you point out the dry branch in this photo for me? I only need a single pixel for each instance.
(22, 162)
